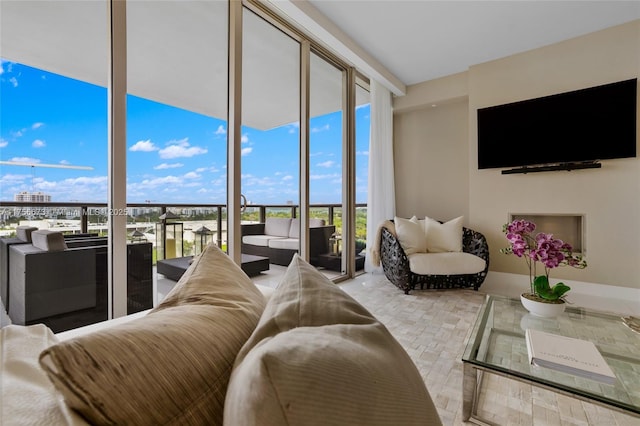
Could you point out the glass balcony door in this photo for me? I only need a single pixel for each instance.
(270, 141)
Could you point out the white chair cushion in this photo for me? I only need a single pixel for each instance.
(23, 233)
(277, 226)
(285, 243)
(315, 223)
(294, 229)
(450, 263)
(259, 240)
(48, 240)
(411, 235)
(443, 237)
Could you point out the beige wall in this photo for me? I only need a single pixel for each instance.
(431, 155)
(609, 198)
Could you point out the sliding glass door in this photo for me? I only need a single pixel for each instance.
(176, 126)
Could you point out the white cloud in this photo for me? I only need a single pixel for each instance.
(320, 177)
(246, 151)
(64, 162)
(294, 128)
(13, 178)
(24, 160)
(287, 177)
(191, 175)
(1, 68)
(38, 143)
(326, 164)
(320, 129)
(164, 166)
(244, 138)
(181, 148)
(14, 81)
(3, 143)
(37, 125)
(366, 153)
(221, 130)
(144, 146)
(166, 180)
(84, 180)
(17, 133)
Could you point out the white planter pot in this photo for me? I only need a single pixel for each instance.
(541, 309)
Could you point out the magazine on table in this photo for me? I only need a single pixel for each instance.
(567, 354)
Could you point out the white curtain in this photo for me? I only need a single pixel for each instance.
(381, 199)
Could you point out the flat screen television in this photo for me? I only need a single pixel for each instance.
(597, 123)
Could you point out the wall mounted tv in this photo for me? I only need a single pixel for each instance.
(597, 123)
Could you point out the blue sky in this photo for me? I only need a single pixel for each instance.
(173, 155)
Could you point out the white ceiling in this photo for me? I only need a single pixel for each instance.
(421, 40)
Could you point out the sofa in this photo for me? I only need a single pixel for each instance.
(23, 236)
(62, 281)
(278, 238)
(431, 253)
(219, 351)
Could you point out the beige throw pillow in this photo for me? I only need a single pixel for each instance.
(171, 366)
(443, 237)
(318, 357)
(411, 235)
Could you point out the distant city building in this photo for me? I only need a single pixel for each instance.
(32, 197)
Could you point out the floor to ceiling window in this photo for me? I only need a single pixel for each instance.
(362, 130)
(326, 160)
(270, 115)
(177, 124)
(168, 155)
(53, 148)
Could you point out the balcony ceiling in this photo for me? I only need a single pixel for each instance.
(176, 55)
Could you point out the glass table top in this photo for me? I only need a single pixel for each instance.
(497, 344)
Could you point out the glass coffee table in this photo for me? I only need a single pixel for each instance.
(497, 346)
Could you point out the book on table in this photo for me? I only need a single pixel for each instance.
(568, 354)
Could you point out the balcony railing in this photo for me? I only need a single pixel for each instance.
(73, 217)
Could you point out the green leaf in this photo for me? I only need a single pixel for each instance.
(560, 289)
(542, 288)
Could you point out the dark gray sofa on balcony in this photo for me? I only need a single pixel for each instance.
(278, 239)
(46, 278)
(64, 285)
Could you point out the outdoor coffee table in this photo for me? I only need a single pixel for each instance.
(497, 346)
(174, 268)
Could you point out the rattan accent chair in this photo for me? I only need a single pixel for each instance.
(395, 264)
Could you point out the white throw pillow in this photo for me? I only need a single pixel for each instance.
(443, 237)
(411, 235)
